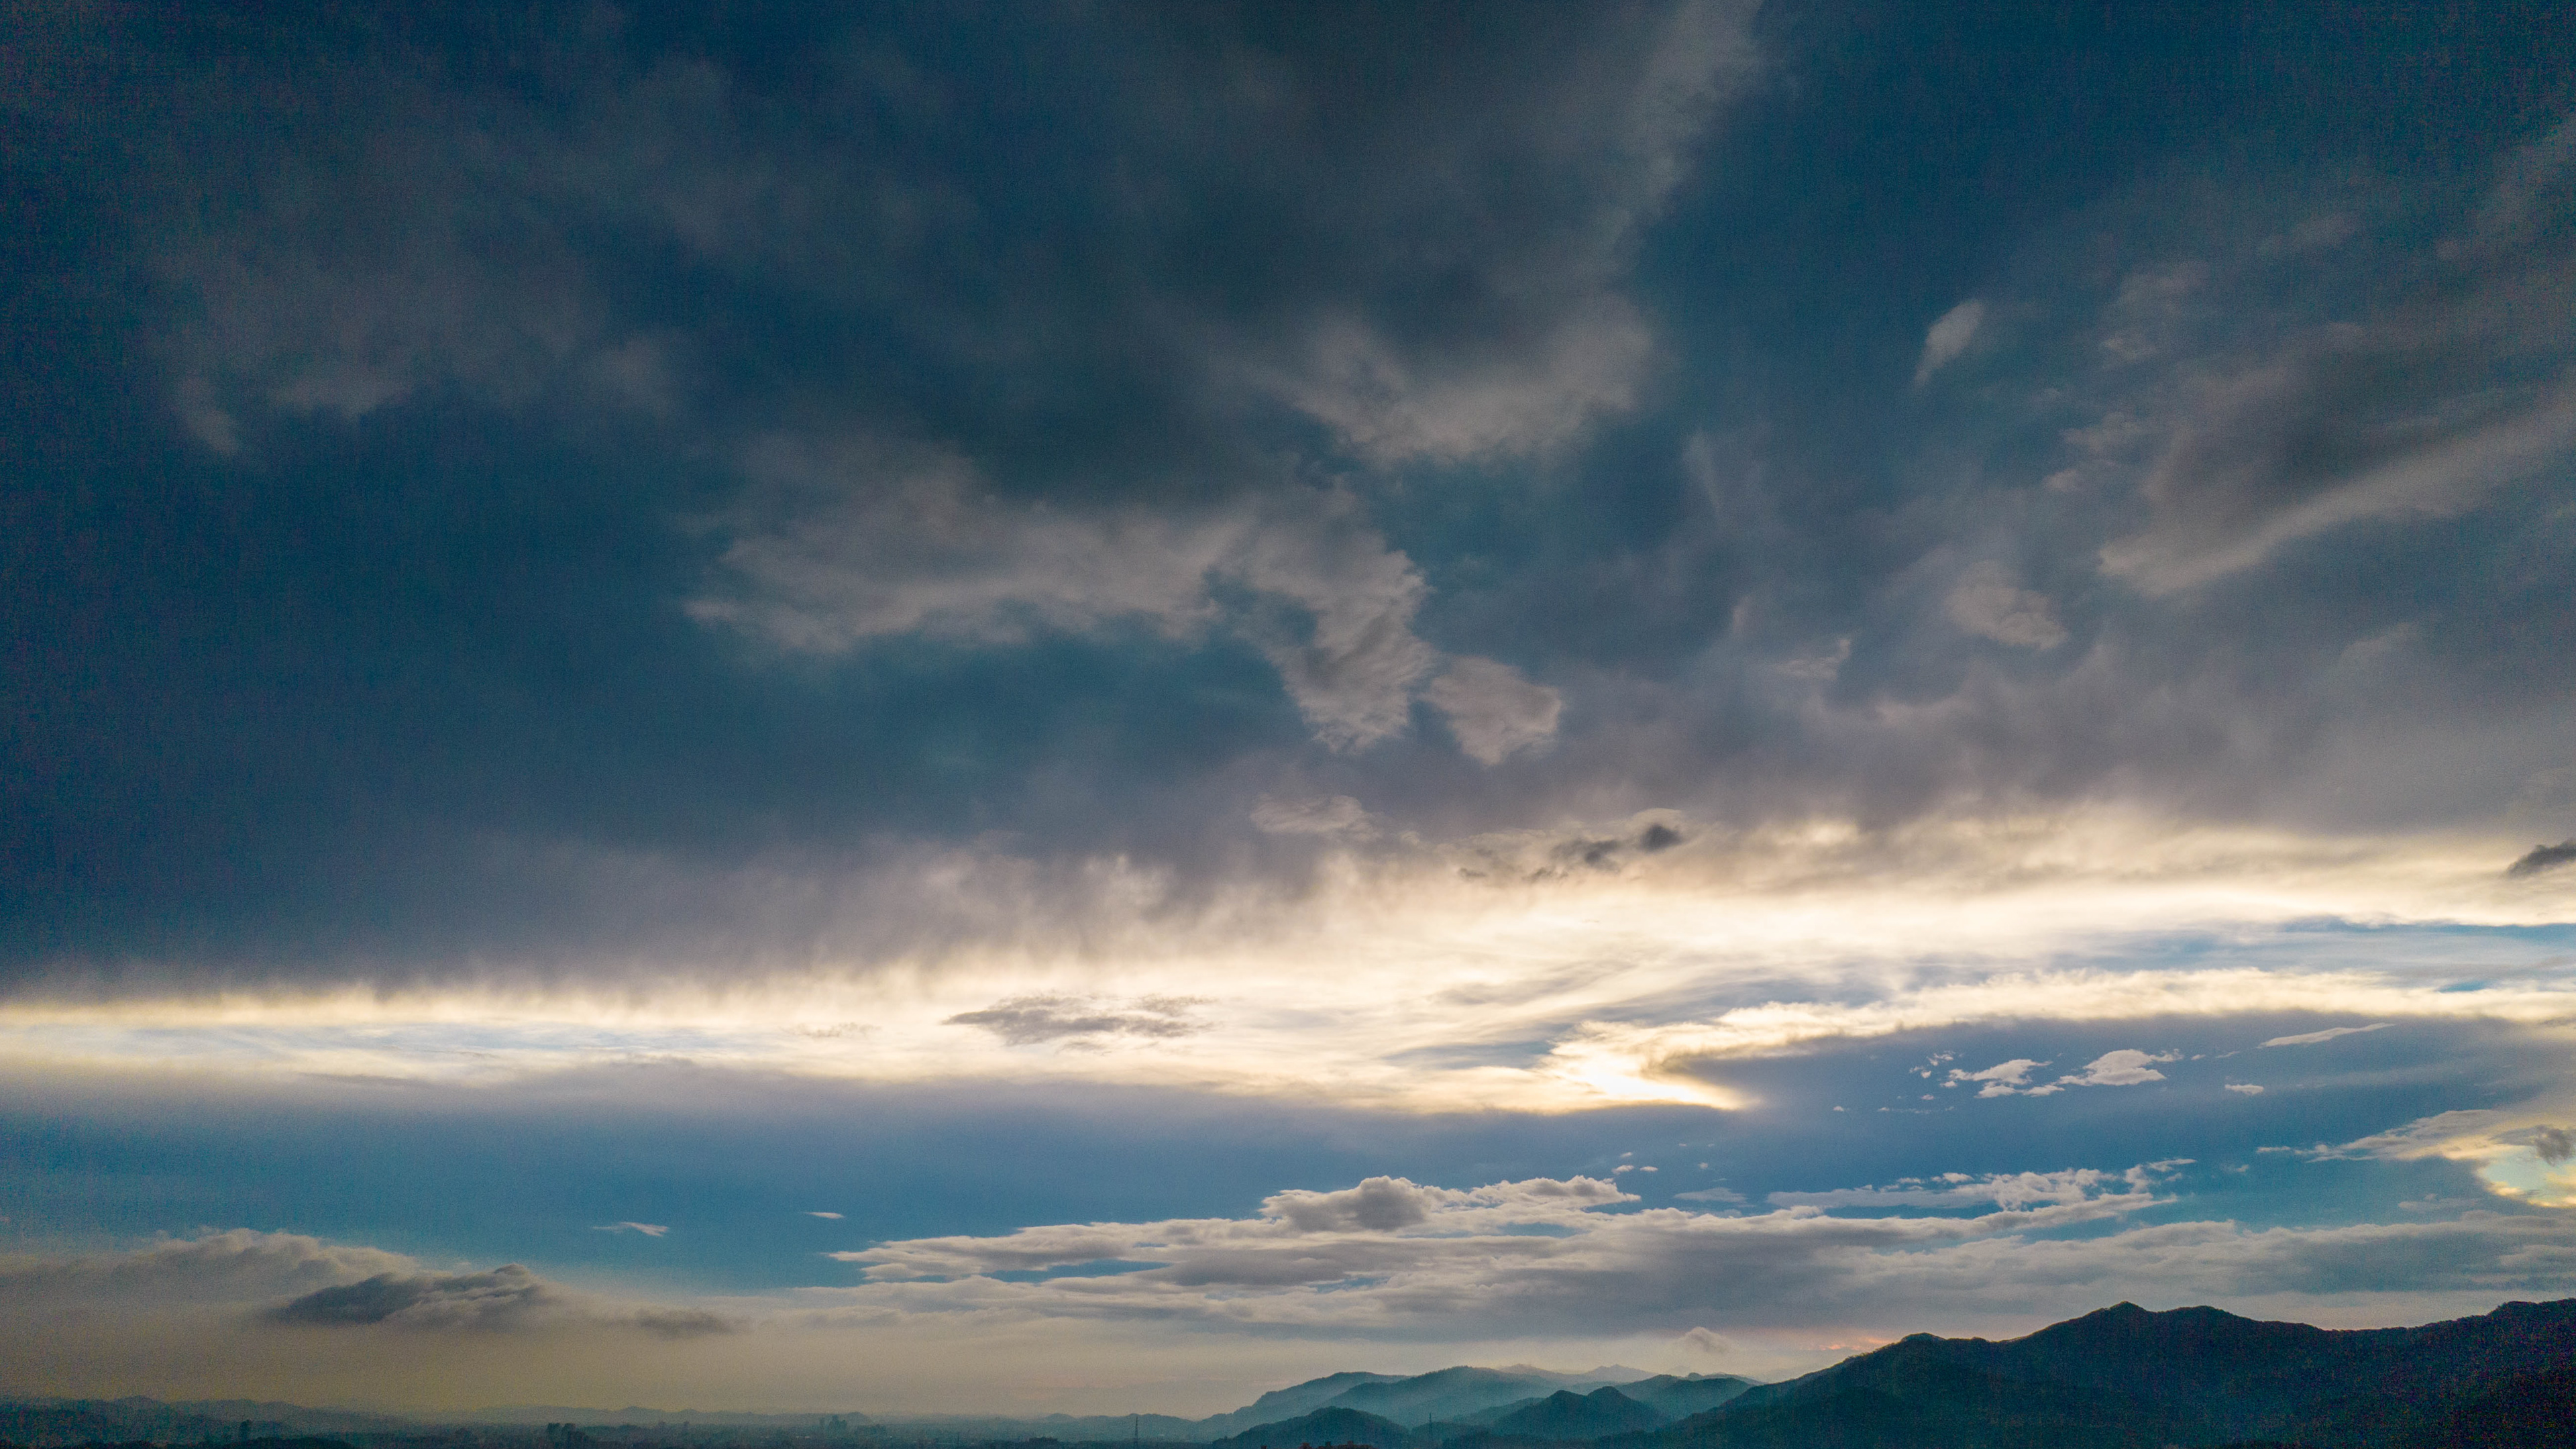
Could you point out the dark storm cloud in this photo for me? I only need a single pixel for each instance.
(1407, 226)
(2216, 507)
(2543, 857)
(534, 495)
(475, 335)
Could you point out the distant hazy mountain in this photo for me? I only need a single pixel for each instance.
(2122, 1378)
(1566, 1414)
(1289, 1402)
(1324, 1426)
(1480, 1404)
(1451, 1398)
(1451, 1393)
(1679, 1398)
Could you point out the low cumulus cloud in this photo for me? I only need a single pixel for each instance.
(2107, 1193)
(2127, 1067)
(1300, 1236)
(2004, 1079)
(1395, 1258)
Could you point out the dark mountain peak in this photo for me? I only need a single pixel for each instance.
(2129, 1376)
(2519, 1311)
(1323, 1426)
(1606, 1394)
(2124, 1321)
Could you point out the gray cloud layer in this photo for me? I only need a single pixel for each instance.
(634, 478)
(359, 1287)
(1030, 1020)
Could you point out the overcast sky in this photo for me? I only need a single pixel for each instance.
(1091, 706)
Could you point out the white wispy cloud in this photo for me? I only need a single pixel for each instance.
(1948, 337)
(2106, 1192)
(2310, 1038)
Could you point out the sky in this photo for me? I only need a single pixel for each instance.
(1090, 707)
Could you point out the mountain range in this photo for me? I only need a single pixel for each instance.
(2119, 1378)
(2123, 1377)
